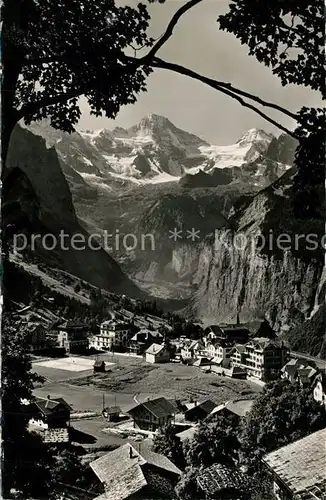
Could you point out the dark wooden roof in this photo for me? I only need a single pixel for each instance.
(206, 407)
(159, 407)
(48, 406)
(129, 469)
(220, 478)
(301, 465)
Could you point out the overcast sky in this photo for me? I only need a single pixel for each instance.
(198, 44)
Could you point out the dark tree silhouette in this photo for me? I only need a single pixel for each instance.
(283, 413)
(25, 461)
(167, 443)
(288, 37)
(215, 441)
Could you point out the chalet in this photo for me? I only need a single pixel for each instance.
(262, 358)
(157, 353)
(319, 388)
(191, 349)
(50, 413)
(114, 334)
(236, 333)
(152, 414)
(221, 481)
(112, 413)
(144, 339)
(199, 411)
(298, 469)
(299, 370)
(135, 471)
(73, 336)
(236, 409)
(51, 419)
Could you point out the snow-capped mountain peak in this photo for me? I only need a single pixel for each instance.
(155, 150)
(255, 135)
(151, 125)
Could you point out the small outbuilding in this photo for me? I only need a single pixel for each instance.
(112, 413)
(99, 366)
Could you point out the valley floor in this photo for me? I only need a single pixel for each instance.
(130, 376)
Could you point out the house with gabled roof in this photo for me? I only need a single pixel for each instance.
(52, 413)
(141, 340)
(200, 411)
(114, 334)
(152, 414)
(230, 333)
(157, 353)
(191, 349)
(112, 413)
(135, 471)
(237, 408)
(219, 351)
(298, 469)
(263, 358)
(299, 370)
(73, 336)
(50, 418)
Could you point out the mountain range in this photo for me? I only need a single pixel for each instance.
(154, 177)
(246, 188)
(156, 151)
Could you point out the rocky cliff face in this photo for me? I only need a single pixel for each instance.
(232, 280)
(37, 187)
(232, 275)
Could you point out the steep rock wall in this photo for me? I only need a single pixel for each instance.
(232, 275)
(37, 184)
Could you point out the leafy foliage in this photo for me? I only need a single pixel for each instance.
(30, 469)
(286, 36)
(83, 54)
(309, 199)
(283, 413)
(167, 443)
(215, 441)
(25, 461)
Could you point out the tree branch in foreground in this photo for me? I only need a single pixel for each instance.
(150, 59)
(227, 89)
(169, 30)
(34, 107)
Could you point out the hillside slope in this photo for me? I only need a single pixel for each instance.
(38, 194)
